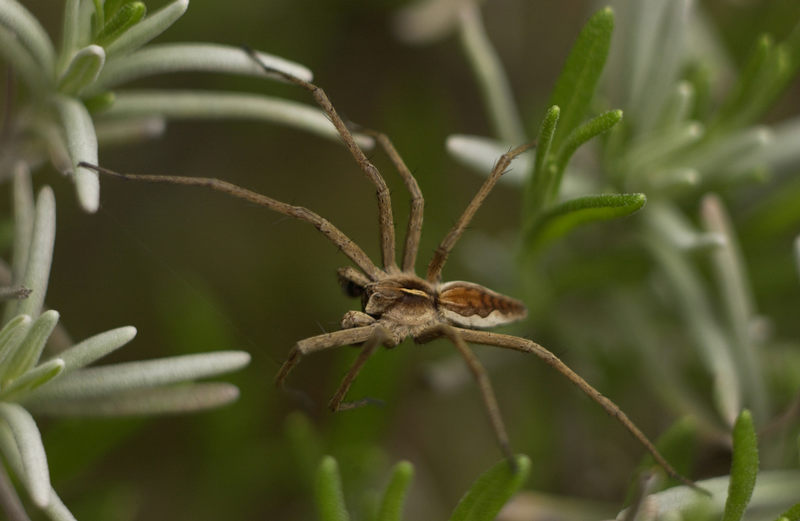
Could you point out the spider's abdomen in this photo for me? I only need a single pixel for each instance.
(471, 305)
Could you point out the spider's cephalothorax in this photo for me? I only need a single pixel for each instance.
(408, 306)
(396, 303)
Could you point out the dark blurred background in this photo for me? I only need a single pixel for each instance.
(196, 271)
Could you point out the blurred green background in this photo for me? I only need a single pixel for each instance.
(196, 271)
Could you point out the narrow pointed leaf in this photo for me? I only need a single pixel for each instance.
(36, 475)
(96, 347)
(562, 218)
(11, 336)
(576, 84)
(139, 402)
(538, 181)
(594, 127)
(34, 378)
(491, 491)
(391, 508)
(82, 70)
(30, 32)
(792, 514)
(96, 381)
(69, 34)
(40, 254)
(744, 467)
(205, 104)
(166, 58)
(82, 146)
(124, 18)
(149, 28)
(328, 493)
(29, 350)
(24, 216)
(305, 443)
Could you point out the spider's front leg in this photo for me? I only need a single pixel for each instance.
(344, 337)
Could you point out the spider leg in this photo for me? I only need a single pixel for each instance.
(414, 230)
(317, 343)
(372, 173)
(528, 346)
(443, 250)
(484, 384)
(336, 236)
(378, 336)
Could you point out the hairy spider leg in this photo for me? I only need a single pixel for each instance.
(529, 346)
(384, 199)
(342, 241)
(443, 250)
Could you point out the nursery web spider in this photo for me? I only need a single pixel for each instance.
(397, 303)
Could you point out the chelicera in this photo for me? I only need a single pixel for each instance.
(396, 302)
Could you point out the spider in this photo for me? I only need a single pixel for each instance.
(396, 302)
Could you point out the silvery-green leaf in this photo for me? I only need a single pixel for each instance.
(11, 336)
(33, 378)
(96, 347)
(481, 154)
(173, 57)
(26, 436)
(24, 215)
(82, 146)
(149, 28)
(96, 381)
(23, 62)
(424, 21)
(55, 508)
(69, 33)
(491, 77)
(129, 130)
(157, 400)
(36, 271)
(774, 490)
(40, 256)
(207, 104)
(29, 350)
(82, 69)
(10, 500)
(737, 300)
(30, 32)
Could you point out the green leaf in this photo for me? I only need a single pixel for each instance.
(575, 86)
(304, 443)
(491, 491)
(562, 218)
(594, 127)
(677, 445)
(391, 508)
(744, 467)
(328, 492)
(82, 146)
(793, 514)
(536, 188)
(123, 19)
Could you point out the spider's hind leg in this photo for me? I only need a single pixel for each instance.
(379, 336)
